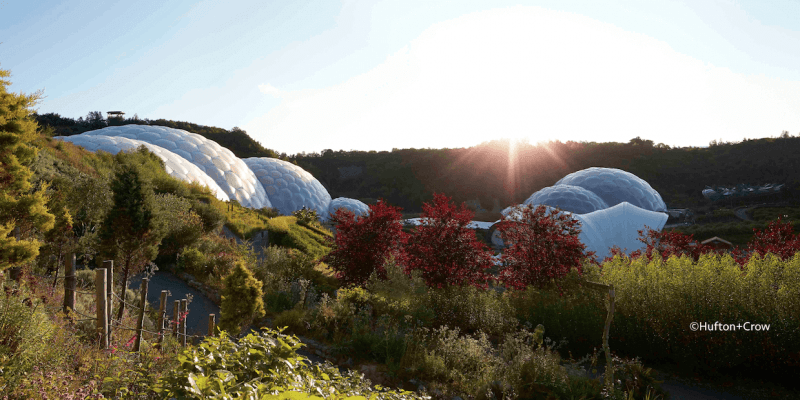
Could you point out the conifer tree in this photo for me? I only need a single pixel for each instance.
(131, 233)
(19, 206)
(241, 300)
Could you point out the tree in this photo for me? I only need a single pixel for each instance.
(130, 233)
(778, 238)
(542, 246)
(361, 245)
(19, 206)
(241, 300)
(444, 250)
(666, 244)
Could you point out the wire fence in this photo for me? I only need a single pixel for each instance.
(105, 297)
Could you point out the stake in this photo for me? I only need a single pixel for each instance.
(102, 317)
(137, 344)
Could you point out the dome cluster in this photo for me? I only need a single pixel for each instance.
(227, 170)
(253, 182)
(611, 205)
(175, 165)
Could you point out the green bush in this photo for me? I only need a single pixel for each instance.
(572, 312)
(658, 300)
(293, 320)
(241, 300)
(27, 336)
(471, 310)
(260, 366)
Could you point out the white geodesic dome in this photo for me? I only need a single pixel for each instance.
(356, 206)
(228, 171)
(601, 230)
(174, 164)
(615, 186)
(290, 187)
(570, 198)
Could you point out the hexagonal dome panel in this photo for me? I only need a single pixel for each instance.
(615, 186)
(356, 206)
(570, 198)
(175, 165)
(290, 187)
(228, 171)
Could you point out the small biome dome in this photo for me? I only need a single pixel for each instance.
(355, 206)
(227, 170)
(615, 186)
(570, 198)
(174, 164)
(289, 187)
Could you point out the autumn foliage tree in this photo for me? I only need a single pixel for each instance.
(777, 238)
(542, 246)
(362, 244)
(666, 244)
(444, 250)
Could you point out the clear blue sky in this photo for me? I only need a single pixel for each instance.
(376, 75)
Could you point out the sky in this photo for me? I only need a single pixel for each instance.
(304, 76)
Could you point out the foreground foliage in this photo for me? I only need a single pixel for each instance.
(261, 366)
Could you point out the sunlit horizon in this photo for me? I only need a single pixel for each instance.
(374, 76)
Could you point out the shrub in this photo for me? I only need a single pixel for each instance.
(471, 310)
(444, 250)
(258, 366)
(657, 301)
(361, 245)
(543, 247)
(241, 300)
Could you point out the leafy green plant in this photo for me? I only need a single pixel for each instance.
(260, 366)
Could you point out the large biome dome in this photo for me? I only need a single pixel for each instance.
(228, 171)
(174, 164)
(568, 198)
(615, 186)
(289, 187)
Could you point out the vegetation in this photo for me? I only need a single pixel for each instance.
(20, 207)
(241, 300)
(421, 310)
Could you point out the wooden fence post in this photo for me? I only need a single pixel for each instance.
(609, 289)
(69, 283)
(109, 266)
(211, 318)
(162, 305)
(137, 344)
(102, 317)
(176, 310)
(184, 310)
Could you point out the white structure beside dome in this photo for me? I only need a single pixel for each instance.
(615, 186)
(289, 187)
(174, 164)
(356, 206)
(570, 198)
(228, 171)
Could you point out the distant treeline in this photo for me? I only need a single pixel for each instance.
(510, 172)
(505, 171)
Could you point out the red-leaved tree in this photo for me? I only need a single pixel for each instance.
(777, 238)
(445, 250)
(666, 244)
(362, 244)
(541, 246)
